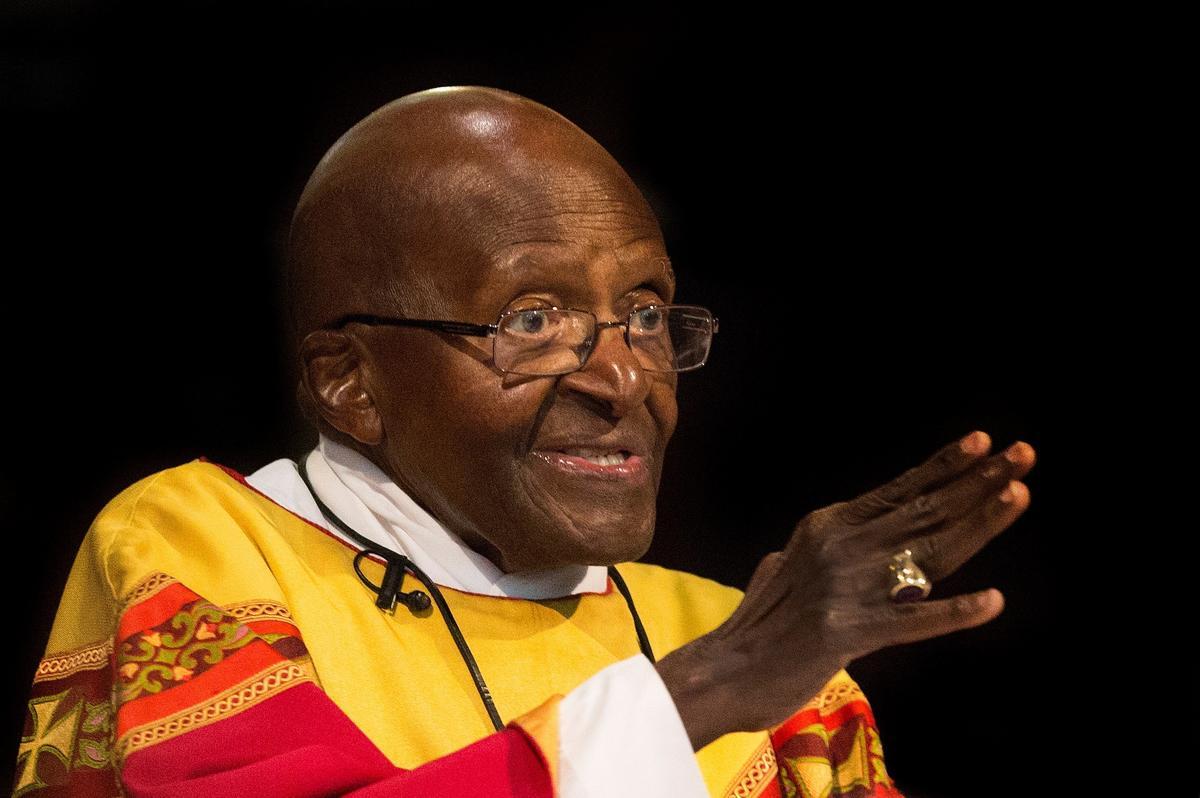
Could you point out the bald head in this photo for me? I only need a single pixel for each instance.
(427, 184)
(464, 204)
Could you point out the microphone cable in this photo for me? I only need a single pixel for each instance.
(388, 593)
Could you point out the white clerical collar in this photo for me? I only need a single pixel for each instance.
(369, 502)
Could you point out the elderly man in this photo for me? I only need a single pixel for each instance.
(442, 597)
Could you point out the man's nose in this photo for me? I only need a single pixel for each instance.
(612, 375)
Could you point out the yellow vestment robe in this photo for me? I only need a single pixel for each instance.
(398, 676)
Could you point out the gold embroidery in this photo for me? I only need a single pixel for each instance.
(89, 658)
(835, 697)
(756, 774)
(238, 698)
(57, 738)
(855, 769)
(259, 610)
(151, 584)
(879, 768)
(196, 638)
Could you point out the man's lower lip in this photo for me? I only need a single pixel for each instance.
(632, 470)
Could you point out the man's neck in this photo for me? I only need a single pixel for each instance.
(367, 499)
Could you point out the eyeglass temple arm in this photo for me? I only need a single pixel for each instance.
(715, 325)
(456, 327)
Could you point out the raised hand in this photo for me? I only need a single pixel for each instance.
(823, 600)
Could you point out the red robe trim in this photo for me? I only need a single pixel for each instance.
(194, 700)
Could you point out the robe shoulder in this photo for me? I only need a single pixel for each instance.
(196, 521)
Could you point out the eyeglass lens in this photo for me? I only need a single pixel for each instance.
(553, 341)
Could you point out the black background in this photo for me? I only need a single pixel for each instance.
(897, 221)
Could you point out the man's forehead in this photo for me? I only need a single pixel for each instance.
(450, 193)
(643, 257)
(501, 227)
(573, 271)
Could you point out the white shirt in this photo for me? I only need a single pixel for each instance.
(366, 499)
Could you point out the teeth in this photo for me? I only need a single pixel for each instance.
(612, 458)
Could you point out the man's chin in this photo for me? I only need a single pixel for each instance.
(600, 520)
(581, 543)
(603, 542)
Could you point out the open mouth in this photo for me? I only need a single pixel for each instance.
(617, 464)
(605, 458)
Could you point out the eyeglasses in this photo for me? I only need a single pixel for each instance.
(546, 341)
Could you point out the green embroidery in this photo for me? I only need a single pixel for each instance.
(95, 752)
(196, 638)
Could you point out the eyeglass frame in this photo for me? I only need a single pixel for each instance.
(491, 330)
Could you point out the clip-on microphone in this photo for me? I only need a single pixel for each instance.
(388, 593)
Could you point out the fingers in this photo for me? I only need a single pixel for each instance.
(943, 552)
(951, 460)
(952, 502)
(907, 623)
(984, 480)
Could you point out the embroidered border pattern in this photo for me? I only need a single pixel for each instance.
(258, 610)
(836, 754)
(236, 699)
(835, 698)
(151, 583)
(756, 774)
(60, 666)
(66, 737)
(193, 640)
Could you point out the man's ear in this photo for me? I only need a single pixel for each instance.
(332, 373)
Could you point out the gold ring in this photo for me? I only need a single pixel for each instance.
(909, 582)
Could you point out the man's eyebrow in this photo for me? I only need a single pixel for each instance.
(663, 281)
(668, 269)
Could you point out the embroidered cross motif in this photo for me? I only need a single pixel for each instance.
(56, 737)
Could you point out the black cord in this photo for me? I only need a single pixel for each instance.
(643, 640)
(395, 559)
(388, 594)
(463, 648)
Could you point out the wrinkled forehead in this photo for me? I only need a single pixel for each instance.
(527, 222)
(426, 206)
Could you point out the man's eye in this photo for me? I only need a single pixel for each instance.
(649, 318)
(530, 322)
